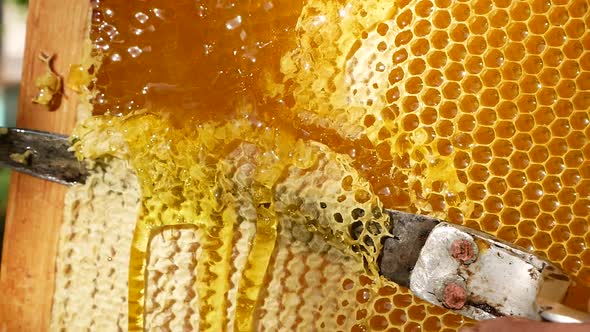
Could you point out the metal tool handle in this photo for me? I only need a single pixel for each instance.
(482, 277)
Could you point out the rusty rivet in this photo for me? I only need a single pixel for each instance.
(463, 251)
(454, 296)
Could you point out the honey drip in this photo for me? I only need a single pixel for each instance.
(294, 117)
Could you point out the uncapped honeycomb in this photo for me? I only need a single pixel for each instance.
(266, 134)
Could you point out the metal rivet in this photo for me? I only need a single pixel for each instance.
(454, 296)
(464, 251)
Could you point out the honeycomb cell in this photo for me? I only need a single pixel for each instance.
(556, 252)
(422, 28)
(541, 241)
(540, 6)
(582, 83)
(499, 166)
(412, 327)
(461, 12)
(424, 8)
(520, 11)
(572, 264)
(566, 88)
(459, 33)
(432, 324)
(471, 84)
(441, 19)
(574, 158)
(484, 135)
(419, 47)
(563, 108)
(517, 31)
(527, 103)
(525, 122)
(558, 15)
(575, 28)
(511, 71)
(558, 146)
(509, 90)
(428, 116)
(478, 25)
(513, 198)
(530, 84)
(576, 245)
(579, 227)
(533, 64)
(552, 57)
(573, 49)
(417, 312)
(548, 203)
(560, 233)
(434, 78)
(563, 214)
(523, 141)
(508, 233)
(378, 323)
(414, 85)
(582, 187)
(482, 7)
(403, 38)
(517, 179)
(497, 38)
(527, 228)
(519, 160)
(491, 77)
(476, 191)
(491, 222)
(555, 37)
(525, 243)
(546, 96)
(535, 45)
(510, 216)
(576, 140)
(494, 58)
(582, 207)
(404, 19)
(578, 8)
(555, 165)
(581, 100)
(538, 24)
(533, 191)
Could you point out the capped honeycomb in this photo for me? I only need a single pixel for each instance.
(270, 132)
(93, 255)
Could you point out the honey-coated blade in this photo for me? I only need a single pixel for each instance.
(40, 154)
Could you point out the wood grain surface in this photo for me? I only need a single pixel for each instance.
(35, 206)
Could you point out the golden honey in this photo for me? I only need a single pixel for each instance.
(473, 111)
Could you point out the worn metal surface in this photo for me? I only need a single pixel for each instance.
(41, 154)
(400, 252)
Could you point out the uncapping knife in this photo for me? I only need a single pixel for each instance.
(470, 272)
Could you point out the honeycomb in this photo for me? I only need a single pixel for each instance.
(274, 129)
(93, 255)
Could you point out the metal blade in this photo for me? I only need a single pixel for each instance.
(400, 252)
(40, 154)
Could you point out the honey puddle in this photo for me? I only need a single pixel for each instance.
(274, 128)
